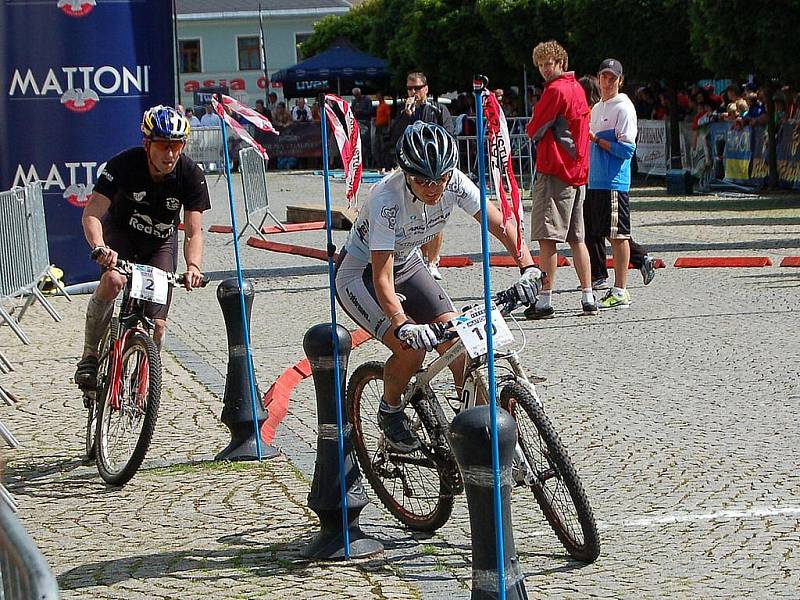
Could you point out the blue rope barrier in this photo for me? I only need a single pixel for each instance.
(487, 297)
(240, 279)
(336, 373)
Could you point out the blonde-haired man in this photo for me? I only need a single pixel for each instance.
(560, 127)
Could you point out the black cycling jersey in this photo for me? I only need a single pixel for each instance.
(146, 209)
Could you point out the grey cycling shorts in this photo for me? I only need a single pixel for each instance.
(424, 299)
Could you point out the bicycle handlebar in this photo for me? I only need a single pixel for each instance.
(506, 301)
(126, 268)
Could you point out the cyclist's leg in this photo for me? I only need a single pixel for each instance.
(356, 295)
(431, 304)
(165, 257)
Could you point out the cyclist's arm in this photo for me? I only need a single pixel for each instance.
(193, 247)
(93, 213)
(508, 236)
(383, 280)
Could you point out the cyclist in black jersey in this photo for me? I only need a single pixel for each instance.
(133, 214)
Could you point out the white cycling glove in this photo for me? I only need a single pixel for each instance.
(417, 336)
(529, 285)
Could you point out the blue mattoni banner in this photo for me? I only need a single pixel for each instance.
(76, 77)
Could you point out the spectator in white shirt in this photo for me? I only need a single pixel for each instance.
(193, 121)
(210, 119)
(300, 112)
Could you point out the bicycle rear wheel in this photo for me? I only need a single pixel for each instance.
(413, 487)
(552, 477)
(125, 429)
(92, 399)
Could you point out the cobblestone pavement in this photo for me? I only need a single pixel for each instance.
(679, 414)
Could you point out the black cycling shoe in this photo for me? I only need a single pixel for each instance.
(86, 373)
(397, 431)
(534, 313)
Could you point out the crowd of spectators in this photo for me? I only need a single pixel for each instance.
(741, 105)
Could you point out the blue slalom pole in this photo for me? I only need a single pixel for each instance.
(336, 374)
(240, 279)
(478, 86)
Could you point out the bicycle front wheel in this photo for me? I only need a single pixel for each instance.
(126, 422)
(411, 486)
(551, 475)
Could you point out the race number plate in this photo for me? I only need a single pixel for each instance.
(471, 328)
(149, 283)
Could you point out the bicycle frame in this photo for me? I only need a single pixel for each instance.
(131, 316)
(475, 386)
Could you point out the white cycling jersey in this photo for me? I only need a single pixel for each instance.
(393, 219)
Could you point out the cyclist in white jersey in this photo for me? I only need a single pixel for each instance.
(382, 259)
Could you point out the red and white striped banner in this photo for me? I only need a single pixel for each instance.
(501, 165)
(237, 128)
(348, 139)
(257, 119)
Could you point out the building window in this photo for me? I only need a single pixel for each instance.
(249, 53)
(189, 56)
(299, 38)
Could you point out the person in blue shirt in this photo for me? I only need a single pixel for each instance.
(613, 129)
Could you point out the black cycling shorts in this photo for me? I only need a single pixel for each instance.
(424, 299)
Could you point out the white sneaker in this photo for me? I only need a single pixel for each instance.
(434, 270)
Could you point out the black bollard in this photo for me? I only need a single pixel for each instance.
(470, 438)
(325, 497)
(237, 410)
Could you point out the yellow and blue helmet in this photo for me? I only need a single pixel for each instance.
(164, 122)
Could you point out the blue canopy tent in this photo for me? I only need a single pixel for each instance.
(340, 67)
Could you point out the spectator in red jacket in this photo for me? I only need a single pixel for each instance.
(560, 127)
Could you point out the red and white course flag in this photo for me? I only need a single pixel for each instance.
(348, 139)
(501, 166)
(241, 131)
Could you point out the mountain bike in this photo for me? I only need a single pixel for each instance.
(123, 408)
(419, 488)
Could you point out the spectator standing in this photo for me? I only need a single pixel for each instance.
(613, 134)
(281, 117)
(300, 112)
(210, 118)
(193, 120)
(560, 126)
(383, 120)
(261, 109)
(362, 111)
(419, 107)
(272, 102)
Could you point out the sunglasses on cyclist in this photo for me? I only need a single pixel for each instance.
(164, 145)
(428, 183)
(415, 88)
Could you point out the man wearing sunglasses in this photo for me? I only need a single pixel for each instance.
(419, 107)
(133, 214)
(381, 281)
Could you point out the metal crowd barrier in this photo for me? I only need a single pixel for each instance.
(254, 187)
(204, 147)
(521, 154)
(24, 571)
(26, 258)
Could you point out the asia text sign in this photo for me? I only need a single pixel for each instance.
(74, 98)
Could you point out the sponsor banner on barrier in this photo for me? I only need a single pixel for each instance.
(788, 155)
(651, 147)
(296, 139)
(74, 98)
(738, 153)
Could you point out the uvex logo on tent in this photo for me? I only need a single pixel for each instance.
(80, 88)
(76, 8)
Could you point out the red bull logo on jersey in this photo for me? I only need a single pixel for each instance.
(76, 8)
(79, 89)
(75, 180)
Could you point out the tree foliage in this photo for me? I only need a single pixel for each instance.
(738, 38)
